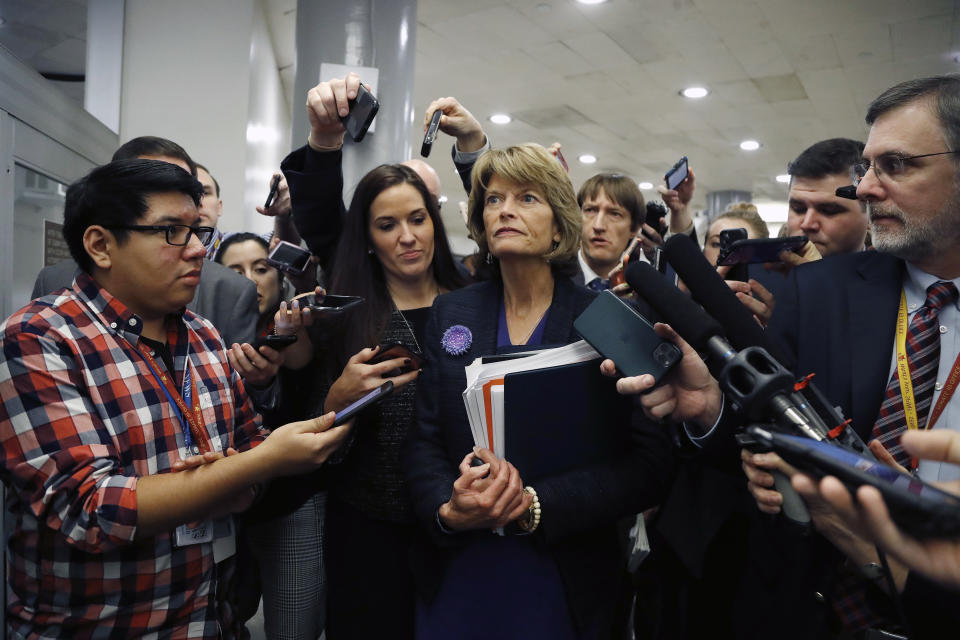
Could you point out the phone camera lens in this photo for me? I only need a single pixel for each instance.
(664, 355)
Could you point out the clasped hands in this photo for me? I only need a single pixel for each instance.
(484, 497)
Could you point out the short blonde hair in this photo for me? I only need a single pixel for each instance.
(527, 164)
(748, 213)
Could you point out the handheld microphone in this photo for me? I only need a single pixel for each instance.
(708, 288)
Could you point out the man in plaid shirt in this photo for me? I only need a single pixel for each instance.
(107, 388)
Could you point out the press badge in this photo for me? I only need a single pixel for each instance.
(187, 535)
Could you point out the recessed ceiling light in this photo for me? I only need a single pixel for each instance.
(591, 1)
(749, 145)
(500, 118)
(784, 178)
(645, 185)
(588, 159)
(694, 92)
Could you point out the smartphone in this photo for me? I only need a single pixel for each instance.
(371, 398)
(278, 342)
(562, 161)
(329, 304)
(397, 350)
(920, 509)
(758, 250)
(618, 331)
(431, 134)
(363, 109)
(677, 174)
(273, 192)
(655, 216)
(289, 258)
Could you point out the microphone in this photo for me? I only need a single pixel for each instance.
(755, 383)
(708, 288)
(751, 378)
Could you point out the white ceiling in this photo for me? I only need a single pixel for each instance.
(604, 79)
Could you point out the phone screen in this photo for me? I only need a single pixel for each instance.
(294, 257)
(677, 174)
(374, 396)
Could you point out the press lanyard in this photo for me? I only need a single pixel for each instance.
(906, 384)
(190, 421)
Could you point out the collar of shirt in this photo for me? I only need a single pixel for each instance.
(588, 273)
(112, 312)
(915, 284)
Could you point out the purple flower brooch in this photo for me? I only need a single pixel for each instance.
(456, 340)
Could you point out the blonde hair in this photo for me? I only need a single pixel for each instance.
(747, 212)
(527, 164)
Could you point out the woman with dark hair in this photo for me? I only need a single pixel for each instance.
(246, 253)
(393, 251)
(558, 572)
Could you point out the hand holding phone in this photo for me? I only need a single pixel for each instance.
(273, 192)
(618, 331)
(676, 174)
(363, 109)
(397, 350)
(431, 135)
(368, 400)
(758, 250)
(279, 342)
(289, 258)
(328, 304)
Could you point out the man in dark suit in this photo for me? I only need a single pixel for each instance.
(837, 317)
(224, 297)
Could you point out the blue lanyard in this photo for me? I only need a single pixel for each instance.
(187, 398)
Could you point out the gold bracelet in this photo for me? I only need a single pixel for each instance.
(532, 520)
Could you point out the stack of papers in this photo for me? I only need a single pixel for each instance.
(483, 397)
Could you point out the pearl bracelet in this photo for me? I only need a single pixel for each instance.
(532, 521)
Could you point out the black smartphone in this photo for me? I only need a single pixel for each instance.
(758, 250)
(274, 341)
(329, 304)
(431, 134)
(656, 214)
(397, 350)
(618, 331)
(289, 258)
(371, 398)
(363, 109)
(677, 174)
(273, 192)
(920, 509)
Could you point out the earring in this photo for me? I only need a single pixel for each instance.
(489, 258)
(370, 250)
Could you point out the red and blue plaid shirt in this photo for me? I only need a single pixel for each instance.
(81, 418)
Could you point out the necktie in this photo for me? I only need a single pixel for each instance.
(852, 600)
(923, 358)
(599, 284)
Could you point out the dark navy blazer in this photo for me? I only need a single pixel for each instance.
(580, 508)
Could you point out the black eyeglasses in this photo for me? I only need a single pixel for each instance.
(177, 234)
(888, 164)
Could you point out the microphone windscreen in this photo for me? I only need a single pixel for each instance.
(709, 289)
(675, 307)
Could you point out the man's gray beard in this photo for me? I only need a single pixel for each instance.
(917, 240)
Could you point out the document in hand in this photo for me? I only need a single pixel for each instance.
(547, 412)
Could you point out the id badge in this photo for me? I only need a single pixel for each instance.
(186, 535)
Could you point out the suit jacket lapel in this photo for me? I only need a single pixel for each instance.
(484, 319)
(872, 300)
(560, 320)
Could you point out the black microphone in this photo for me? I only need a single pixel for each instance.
(708, 288)
(751, 379)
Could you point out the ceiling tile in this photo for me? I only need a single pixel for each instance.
(599, 49)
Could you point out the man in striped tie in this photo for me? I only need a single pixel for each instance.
(881, 329)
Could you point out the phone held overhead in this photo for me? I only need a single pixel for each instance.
(431, 135)
(677, 174)
(363, 109)
(289, 258)
(274, 185)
